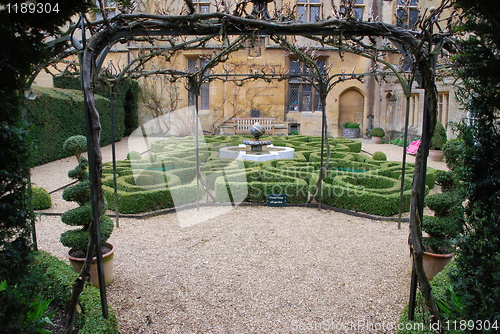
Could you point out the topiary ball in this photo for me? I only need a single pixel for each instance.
(40, 198)
(377, 132)
(134, 155)
(379, 156)
(75, 145)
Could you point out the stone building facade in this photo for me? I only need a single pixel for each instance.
(293, 102)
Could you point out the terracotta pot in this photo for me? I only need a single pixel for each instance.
(376, 140)
(107, 260)
(434, 263)
(436, 155)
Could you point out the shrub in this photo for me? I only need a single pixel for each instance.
(446, 180)
(75, 145)
(447, 223)
(350, 125)
(380, 156)
(56, 282)
(40, 198)
(453, 152)
(439, 138)
(133, 155)
(57, 114)
(377, 132)
(80, 193)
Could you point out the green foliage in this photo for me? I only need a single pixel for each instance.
(133, 155)
(169, 170)
(126, 95)
(40, 198)
(294, 133)
(400, 142)
(446, 180)
(79, 238)
(75, 145)
(57, 114)
(447, 223)
(56, 282)
(80, 193)
(380, 156)
(377, 132)
(23, 311)
(439, 138)
(447, 300)
(453, 152)
(477, 277)
(350, 125)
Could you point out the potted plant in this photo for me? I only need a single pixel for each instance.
(78, 239)
(444, 227)
(350, 130)
(377, 135)
(437, 143)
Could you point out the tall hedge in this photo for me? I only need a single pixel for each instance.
(126, 96)
(57, 114)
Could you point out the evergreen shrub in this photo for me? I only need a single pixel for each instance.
(439, 138)
(377, 132)
(56, 282)
(40, 198)
(57, 114)
(380, 156)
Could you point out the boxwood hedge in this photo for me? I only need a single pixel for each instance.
(354, 180)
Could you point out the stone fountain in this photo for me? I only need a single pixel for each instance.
(260, 150)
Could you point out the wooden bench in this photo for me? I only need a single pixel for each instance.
(243, 125)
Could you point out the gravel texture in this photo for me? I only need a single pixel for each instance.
(250, 270)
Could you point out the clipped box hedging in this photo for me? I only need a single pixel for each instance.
(57, 284)
(364, 184)
(259, 184)
(364, 192)
(151, 200)
(57, 114)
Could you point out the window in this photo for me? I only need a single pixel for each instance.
(414, 111)
(109, 7)
(308, 10)
(359, 7)
(443, 105)
(194, 65)
(407, 13)
(202, 6)
(302, 95)
(352, 8)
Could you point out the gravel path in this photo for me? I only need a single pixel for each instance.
(250, 270)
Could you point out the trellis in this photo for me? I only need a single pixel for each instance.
(421, 48)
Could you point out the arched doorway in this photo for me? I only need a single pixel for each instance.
(351, 107)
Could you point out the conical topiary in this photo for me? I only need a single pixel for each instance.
(439, 138)
(80, 193)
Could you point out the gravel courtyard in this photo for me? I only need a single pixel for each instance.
(254, 269)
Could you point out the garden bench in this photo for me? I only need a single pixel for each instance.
(243, 125)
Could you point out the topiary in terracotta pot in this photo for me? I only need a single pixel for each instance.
(77, 239)
(377, 135)
(438, 141)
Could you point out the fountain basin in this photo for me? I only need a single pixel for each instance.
(269, 152)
